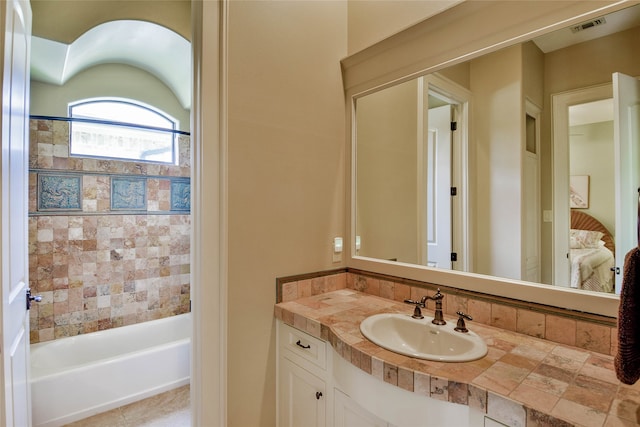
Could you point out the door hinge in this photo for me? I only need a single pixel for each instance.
(454, 191)
(454, 256)
(454, 126)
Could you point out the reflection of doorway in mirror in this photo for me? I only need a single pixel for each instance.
(583, 140)
(443, 184)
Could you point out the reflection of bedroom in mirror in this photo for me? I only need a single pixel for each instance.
(594, 134)
(591, 169)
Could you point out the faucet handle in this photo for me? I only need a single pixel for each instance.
(460, 326)
(417, 313)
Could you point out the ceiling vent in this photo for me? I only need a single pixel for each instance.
(589, 24)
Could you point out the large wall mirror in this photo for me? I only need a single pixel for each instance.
(517, 162)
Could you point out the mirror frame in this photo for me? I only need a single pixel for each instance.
(463, 32)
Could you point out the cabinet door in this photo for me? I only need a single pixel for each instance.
(302, 397)
(348, 413)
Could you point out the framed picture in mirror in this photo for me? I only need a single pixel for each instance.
(579, 191)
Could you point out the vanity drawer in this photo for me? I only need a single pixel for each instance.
(302, 345)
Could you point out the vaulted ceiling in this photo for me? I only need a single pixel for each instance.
(70, 37)
(145, 45)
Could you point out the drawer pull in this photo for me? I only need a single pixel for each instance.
(299, 344)
(318, 395)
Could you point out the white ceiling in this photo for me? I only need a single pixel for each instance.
(145, 45)
(621, 20)
(591, 112)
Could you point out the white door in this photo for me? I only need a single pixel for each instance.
(438, 204)
(626, 136)
(15, 134)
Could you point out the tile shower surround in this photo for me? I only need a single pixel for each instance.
(101, 266)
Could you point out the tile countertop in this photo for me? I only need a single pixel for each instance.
(545, 383)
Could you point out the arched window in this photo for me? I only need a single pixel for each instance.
(122, 129)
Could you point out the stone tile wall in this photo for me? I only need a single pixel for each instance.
(109, 240)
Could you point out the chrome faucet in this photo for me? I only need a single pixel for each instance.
(438, 319)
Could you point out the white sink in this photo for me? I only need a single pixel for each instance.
(422, 339)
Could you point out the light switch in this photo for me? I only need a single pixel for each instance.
(547, 216)
(337, 249)
(337, 244)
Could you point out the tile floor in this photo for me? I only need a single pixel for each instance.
(170, 409)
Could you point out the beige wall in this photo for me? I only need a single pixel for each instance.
(387, 176)
(533, 73)
(373, 20)
(286, 175)
(460, 74)
(496, 83)
(107, 80)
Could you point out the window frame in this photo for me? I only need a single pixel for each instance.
(173, 129)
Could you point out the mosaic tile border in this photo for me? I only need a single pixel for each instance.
(59, 192)
(107, 193)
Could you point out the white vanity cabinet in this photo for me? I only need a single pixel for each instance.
(318, 388)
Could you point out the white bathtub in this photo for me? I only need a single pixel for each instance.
(76, 377)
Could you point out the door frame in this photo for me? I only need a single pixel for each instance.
(534, 235)
(461, 167)
(208, 347)
(626, 91)
(209, 239)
